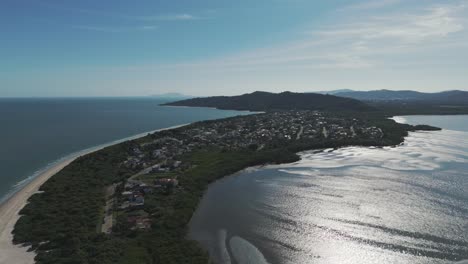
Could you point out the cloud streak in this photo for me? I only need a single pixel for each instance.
(127, 19)
(372, 5)
(115, 29)
(170, 17)
(157, 17)
(358, 43)
(406, 46)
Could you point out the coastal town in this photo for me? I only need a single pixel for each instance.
(158, 159)
(134, 200)
(234, 132)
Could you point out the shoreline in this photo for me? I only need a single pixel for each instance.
(9, 215)
(12, 205)
(266, 158)
(206, 235)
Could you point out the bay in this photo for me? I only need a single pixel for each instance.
(405, 204)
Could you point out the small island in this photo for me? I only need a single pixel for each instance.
(132, 202)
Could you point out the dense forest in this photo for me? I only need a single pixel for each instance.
(408, 96)
(264, 101)
(382, 102)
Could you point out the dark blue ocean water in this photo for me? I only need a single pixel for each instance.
(37, 132)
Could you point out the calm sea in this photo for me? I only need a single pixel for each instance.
(35, 133)
(356, 205)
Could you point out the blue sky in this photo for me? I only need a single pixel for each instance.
(221, 47)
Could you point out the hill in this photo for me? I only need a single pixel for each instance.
(449, 97)
(264, 101)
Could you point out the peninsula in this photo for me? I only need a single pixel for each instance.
(265, 101)
(132, 202)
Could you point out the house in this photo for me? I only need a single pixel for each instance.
(155, 168)
(136, 151)
(129, 185)
(143, 223)
(177, 163)
(139, 220)
(136, 201)
(166, 182)
(127, 194)
(147, 190)
(157, 154)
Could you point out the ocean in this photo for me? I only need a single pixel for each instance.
(356, 205)
(38, 132)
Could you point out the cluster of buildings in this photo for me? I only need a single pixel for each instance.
(160, 154)
(139, 219)
(132, 201)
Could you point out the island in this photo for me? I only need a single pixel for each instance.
(132, 202)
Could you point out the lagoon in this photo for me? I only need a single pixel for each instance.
(405, 204)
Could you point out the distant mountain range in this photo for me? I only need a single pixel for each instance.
(333, 92)
(450, 97)
(264, 101)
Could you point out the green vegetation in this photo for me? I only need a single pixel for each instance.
(420, 108)
(264, 101)
(149, 178)
(60, 223)
(382, 102)
(166, 242)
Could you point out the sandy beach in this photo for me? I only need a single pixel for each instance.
(10, 253)
(15, 254)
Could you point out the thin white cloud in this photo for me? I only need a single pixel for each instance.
(99, 29)
(115, 29)
(374, 4)
(156, 17)
(404, 49)
(171, 17)
(355, 44)
(358, 43)
(434, 24)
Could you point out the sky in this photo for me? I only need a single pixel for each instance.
(61, 48)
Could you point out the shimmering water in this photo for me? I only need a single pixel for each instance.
(407, 204)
